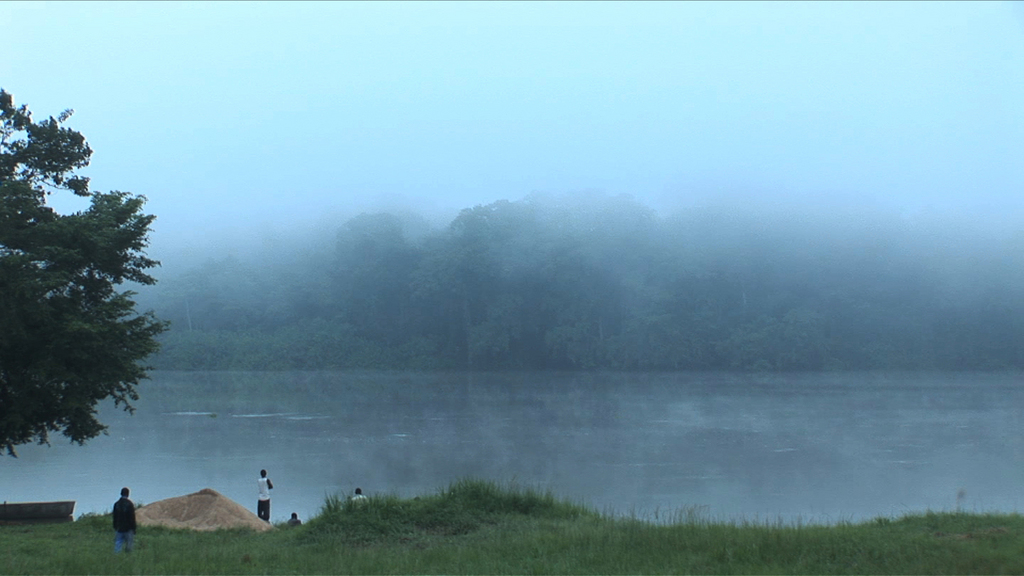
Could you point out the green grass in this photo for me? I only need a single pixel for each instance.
(477, 527)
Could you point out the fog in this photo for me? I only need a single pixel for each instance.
(557, 185)
(752, 215)
(781, 448)
(245, 123)
(597, 282)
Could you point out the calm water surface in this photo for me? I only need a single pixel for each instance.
(797, 448)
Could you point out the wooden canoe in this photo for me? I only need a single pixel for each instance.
(36, 512)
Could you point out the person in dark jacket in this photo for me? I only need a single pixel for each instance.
(124, 522)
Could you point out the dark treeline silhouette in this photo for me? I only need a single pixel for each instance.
(606, 283)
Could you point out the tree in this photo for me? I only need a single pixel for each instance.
(375, 263)
(68, 337)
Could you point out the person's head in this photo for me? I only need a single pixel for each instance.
(263, 473)
(359, 490)
(295, 516)
(124, 492)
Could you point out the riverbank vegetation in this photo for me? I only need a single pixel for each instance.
(556, 283)
(70, 334)
(476, 527)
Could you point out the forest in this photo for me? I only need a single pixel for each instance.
(606, 283)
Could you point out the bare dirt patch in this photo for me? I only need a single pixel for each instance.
(204, 510)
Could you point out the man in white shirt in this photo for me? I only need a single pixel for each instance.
(263, 504)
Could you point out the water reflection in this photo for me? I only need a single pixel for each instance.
(808, 447)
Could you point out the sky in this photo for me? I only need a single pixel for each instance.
(276, 116)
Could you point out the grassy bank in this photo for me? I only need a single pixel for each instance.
(482, 528)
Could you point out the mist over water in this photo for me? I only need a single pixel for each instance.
(645, 186)
(798, 448)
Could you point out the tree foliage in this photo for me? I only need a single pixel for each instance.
(604, 283)
(69, 337)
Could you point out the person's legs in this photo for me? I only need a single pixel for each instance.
(263, 509)
(124, 539)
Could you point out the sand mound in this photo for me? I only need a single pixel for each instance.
(203, 510)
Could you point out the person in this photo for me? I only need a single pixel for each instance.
(263, 504)
(294, 521)
(358, 496)
(124, 522)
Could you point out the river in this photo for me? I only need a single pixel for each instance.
(793, 448)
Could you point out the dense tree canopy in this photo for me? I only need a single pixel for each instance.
(605, 283)
(68, 337)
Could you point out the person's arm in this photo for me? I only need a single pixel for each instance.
(270, 485)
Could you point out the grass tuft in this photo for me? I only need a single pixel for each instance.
(479, 527)
(464, 507)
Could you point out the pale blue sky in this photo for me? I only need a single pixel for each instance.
(280, 113)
